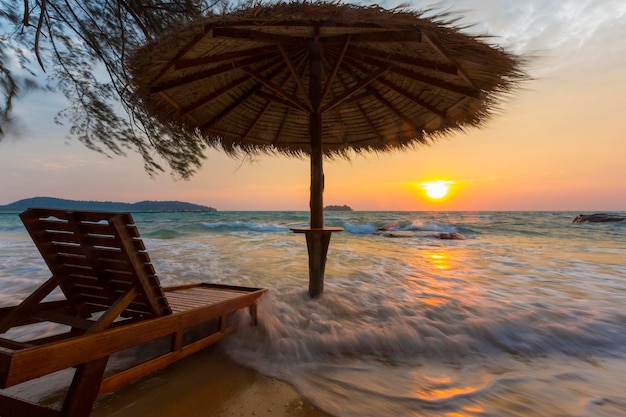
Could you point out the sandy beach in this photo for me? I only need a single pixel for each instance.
(205, 384)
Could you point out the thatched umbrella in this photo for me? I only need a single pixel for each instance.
(320, 80)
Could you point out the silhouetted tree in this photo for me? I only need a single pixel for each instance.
(82, 45)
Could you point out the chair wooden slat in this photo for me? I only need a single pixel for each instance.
(73, 321)
(12, 344)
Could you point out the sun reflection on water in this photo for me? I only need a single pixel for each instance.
(439, 259)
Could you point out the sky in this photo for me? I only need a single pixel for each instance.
(559, 144)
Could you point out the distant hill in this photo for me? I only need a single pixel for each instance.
(338, 208)
(141, 206)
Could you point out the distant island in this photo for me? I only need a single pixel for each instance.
(338, 208)
(141, 206)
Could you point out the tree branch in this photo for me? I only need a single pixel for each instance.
(38, 33)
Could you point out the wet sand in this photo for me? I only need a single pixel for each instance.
(205, 384)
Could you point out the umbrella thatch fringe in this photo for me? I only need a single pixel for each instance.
(494, 74)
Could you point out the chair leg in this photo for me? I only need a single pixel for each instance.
(253, 314)
(84, 389)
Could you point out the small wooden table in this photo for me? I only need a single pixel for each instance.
(317, 240)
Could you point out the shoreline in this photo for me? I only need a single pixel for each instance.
(207, 383)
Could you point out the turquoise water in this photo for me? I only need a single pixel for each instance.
(522, 317)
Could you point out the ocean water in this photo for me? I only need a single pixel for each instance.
(524, 316)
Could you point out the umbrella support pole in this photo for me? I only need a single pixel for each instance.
(317, 237)
(317, 242)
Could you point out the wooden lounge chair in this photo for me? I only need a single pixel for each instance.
(110, 300)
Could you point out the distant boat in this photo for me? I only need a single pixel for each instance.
(338, 208)
(598, 218)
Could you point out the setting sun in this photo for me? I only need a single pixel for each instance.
(436, 189)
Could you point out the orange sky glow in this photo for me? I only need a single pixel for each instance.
(558, 144)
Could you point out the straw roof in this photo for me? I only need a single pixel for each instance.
(389, 78)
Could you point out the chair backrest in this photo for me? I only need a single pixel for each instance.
(99, 256)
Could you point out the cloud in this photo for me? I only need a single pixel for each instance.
(565, 34)
(65, 162)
